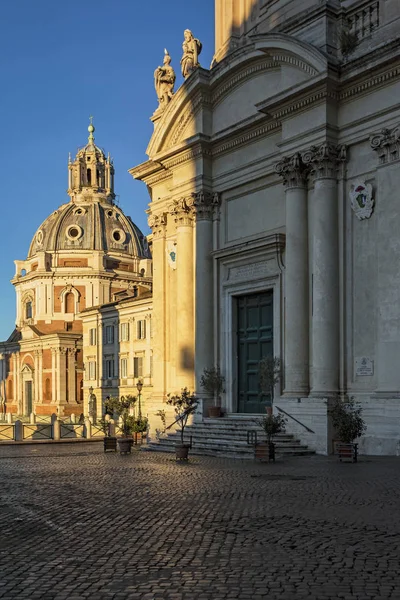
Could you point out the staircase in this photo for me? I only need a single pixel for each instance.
(227, 437)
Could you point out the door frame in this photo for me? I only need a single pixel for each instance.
(228, 347)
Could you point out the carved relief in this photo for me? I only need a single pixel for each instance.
(157, 223)
(386, 144)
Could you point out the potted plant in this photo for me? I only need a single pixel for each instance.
(122, 406)
(140, 429)
(110, 442)
(349, 425)
(269, 372)
(212, 383)
(272, 425)
(185, 404)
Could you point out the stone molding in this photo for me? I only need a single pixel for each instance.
(293, 171)
(387, 145)
(182, 211)
(325, 160)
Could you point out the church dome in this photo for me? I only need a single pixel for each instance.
(91, 225)
(90, 220)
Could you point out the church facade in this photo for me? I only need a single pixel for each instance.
(86, 253)
(273, 180)
(274, 214)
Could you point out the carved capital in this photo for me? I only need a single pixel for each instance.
(325, 161)
(293, 171)
(182, 211)
(158, 224)
(387, 145)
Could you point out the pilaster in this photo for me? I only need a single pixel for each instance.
(158, 222)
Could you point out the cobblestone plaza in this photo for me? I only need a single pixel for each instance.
(77, 523)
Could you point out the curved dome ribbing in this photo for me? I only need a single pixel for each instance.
(91, 225)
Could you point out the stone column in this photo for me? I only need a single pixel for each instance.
(183, 216)
(40, 377)
(72, 376)
(36, 374)
(158, 225)
(203, 205)
(53, 376)
(296, 363)
(58, 374)
(324, 161)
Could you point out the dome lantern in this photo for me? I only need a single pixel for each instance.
(91, 173)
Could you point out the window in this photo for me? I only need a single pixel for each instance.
(69, 303)
(138, 366)
(124, 368)
(124, 332)
(141, 330)
(92, 369)
(92, 337)
(109, 368)
(47, 390)
(109, 334)
(28, 310)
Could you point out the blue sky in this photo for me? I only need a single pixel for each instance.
(61, 62)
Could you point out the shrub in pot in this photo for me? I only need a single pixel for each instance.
(185, 404)
(110, 442)
(122, 406)
(272, 425)
(349, 425)
(140, 429)
(212, 383)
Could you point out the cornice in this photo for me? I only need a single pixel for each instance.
(223, 146)
(272, 242)
(371, 82)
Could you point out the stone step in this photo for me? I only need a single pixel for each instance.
(227, 436)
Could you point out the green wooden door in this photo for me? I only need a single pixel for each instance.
(255, 341)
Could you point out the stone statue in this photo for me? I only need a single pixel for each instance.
(164, 81)
(191, 50)
(92, 406)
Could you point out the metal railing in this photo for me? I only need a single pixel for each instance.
(37, 431)
(294, 419)
(7, 432)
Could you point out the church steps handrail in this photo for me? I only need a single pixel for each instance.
(294, 419)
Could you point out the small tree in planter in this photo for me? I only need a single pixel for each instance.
(110, 442)
(272, 425)
(140, 428)
(212, 383)
(121, 406)
(185, 404)
(349, 425)
(269, 374)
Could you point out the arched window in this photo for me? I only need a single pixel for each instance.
(28, 310)
(89, 176)
(10, 389)
(69, 303)
(47, 390)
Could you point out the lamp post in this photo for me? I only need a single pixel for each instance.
(139, 387)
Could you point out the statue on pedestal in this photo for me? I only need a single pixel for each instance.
(191, 50)
(164, 81)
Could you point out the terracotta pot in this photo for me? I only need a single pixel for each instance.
(265, 452)
(125, 445)
(347, 452)
(182, 451)
(214, 412)
(110, 443)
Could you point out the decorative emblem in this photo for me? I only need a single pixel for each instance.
(171, 254)
(361, 199)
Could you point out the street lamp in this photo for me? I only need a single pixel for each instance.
(139, 387)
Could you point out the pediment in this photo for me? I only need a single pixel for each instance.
(26, 369)
(210, 101)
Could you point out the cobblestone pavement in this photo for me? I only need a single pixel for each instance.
(77, 523)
